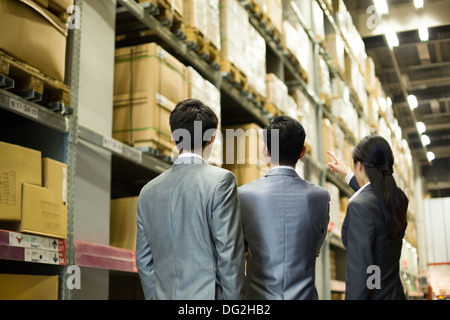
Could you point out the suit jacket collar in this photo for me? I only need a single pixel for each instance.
(282, 172)
(188, 160)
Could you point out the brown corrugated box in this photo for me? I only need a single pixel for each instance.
(28, 287)
(152, 86)
(123, 228)
(39, 37)
(17, 165)
(44, 210)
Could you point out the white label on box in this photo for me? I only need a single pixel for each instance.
(24, 108)
(30, 241)
(112, 145)
(64, 186)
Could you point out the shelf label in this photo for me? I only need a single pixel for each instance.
(43, 256)
(112, 145)
(24, 108)
(36, 242)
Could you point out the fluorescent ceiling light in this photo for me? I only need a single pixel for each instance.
(412, 101)
(423, 33)
(418, 4)
(381, 6)
(392, 39)
(425, 140)
(421, 127)
(430, 156)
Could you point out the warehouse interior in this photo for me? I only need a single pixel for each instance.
(87, 104)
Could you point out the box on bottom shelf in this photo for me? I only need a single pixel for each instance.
(123, 228)
(28, 287)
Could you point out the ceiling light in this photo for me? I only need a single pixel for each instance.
(430, 156)
(412, 101)
(423, 34)
(421, 127)
(425, 140)
(392, 38)
(381, 6)
(418, 4)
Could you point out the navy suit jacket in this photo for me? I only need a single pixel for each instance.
(371, 251)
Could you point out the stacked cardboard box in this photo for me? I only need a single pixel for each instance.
(298, 43)
(242, 45)
(278, 99)
(204, 90)
(39, 37)
(343, 205)
(325, 81)
(335, 208)
(335, 47)
(33, 197)
(123, 228)
(243, 152)
(148, 83)
(328, 139)
(273, 9)
(308, 118)
(28, 287)
(203, 16)
(234, 26)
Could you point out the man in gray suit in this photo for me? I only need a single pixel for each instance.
(285, 220)
(189, 235)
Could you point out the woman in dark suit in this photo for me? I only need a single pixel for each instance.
(374, 224)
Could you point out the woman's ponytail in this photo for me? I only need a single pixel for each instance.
(376, 155)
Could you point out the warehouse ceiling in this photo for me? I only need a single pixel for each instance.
(419, 68)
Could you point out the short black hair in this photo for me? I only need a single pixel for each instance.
(184, 117)
(291, 139)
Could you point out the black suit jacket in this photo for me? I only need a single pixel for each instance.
(373, 255)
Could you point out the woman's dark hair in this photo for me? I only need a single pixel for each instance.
(375, 153)
(184, 119)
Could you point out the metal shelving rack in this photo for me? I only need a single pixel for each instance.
(138, 163)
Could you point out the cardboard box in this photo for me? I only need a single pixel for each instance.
(243, 144)
(44, 210)
(246, 173)
(28, 287)
(17, 165)
(335, 207)
(203, 16)
(36, 36)
(335, 47)
(328, 139)
(123, 228)
(148, 83)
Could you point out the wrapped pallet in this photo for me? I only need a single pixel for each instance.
(243, 152)
(203, 15)
(255, 53)
(276, 93)
(36, 37)
(298, 43)
(308, 118)
(335, 47)
(234, 26)
(242, 46)
(202, 89)
(148, 83)
(335, 208)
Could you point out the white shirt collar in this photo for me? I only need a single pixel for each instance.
(189, 154)
(359, 191)
(282, 167)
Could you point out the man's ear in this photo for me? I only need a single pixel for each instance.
(266, 154)
(302, 154)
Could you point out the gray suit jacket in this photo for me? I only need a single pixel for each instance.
(285, 221)
(189, 238)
